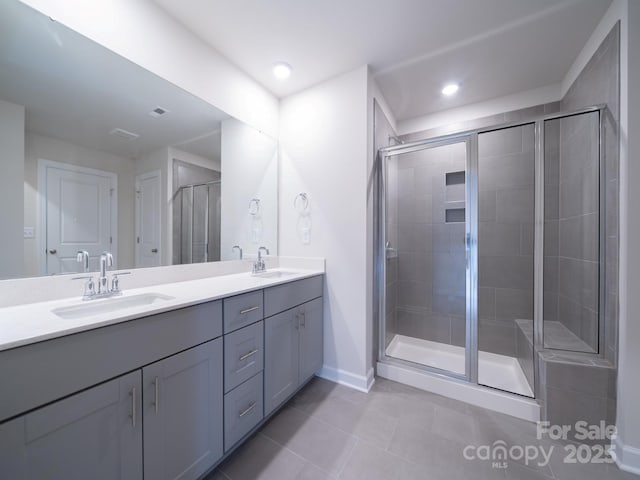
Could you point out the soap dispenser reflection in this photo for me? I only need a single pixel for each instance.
(301, 204)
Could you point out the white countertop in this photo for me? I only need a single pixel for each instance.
(25, 324)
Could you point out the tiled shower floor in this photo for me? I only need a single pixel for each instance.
(498, 371)
(394, 432)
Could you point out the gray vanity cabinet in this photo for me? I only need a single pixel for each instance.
(281, 355)
(94, 434)
(310, 333)
(293, 341)
(183, 413)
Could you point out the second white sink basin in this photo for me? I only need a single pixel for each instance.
(97, 307)
(274, 274)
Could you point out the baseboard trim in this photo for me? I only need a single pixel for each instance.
(348, 379)
(627, 457)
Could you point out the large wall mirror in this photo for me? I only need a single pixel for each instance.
(108, 156)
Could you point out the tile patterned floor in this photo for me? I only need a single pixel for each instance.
(395, 432)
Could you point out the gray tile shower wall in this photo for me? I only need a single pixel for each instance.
(430, 243)
(505, 237)
(574, 386)
(599, 83)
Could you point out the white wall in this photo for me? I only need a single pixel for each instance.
(143, 33)
(47, 148)
(528, 98)
(323, 142)
(11, 188)
(210, 163)
(249, 163)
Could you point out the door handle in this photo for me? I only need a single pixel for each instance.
(53, 251)
(154, 250)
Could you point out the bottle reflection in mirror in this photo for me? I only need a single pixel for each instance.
(302, 205)
(256, 220)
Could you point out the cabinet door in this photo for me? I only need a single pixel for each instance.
(94, 434)
(281, 358)
(183, 413)
(311, 341)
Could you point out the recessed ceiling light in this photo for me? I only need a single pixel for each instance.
(282, 70)
(450, 89)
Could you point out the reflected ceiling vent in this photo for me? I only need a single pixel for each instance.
(119, 132)
(158, 112)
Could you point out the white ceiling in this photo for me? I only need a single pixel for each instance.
(76, 90)
(492, 47)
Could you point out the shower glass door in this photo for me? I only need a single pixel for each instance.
(506, 168)
(426, 223)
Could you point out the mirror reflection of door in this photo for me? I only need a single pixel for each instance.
(148, 219)
(77, 212)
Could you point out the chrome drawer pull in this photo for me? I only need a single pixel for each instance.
(247, 310)
(248, 354)
(133, 407)
(247, 410)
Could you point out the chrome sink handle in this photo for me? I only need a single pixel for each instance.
(89, 287)
(115, 283)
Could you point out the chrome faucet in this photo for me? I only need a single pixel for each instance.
(259, 265)
(83, 257)
(103, 290)
(239, 248)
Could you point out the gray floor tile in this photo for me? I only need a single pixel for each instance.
(316, 441)
(515, 471)
(371, 463)
(394, 432)
(360, 420)
(263, 459)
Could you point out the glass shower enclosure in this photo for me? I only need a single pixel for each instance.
(489, 248)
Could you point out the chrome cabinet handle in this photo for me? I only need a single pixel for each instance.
(155, 400)
(304, 319)
(248, 354)
(247, 310)
(247, 410)
(133, 407)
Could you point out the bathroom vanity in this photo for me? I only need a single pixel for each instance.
(157, 391)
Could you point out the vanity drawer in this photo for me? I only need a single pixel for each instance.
(243, 355)
(283, 297)
(242, 410)
(242, 310)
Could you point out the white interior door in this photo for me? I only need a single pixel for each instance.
(78, 212)
(148, 219)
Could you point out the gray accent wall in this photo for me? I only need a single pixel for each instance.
(429, 197)
(599, 83)
(505, 236)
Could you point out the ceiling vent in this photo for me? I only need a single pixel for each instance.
(119, 132)
(158, 112)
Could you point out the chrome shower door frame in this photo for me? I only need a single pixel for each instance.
(471, 234)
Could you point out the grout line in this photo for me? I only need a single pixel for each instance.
(284, 447)
(353, 448)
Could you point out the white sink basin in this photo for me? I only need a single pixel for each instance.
(274, 274)
(108, 305)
